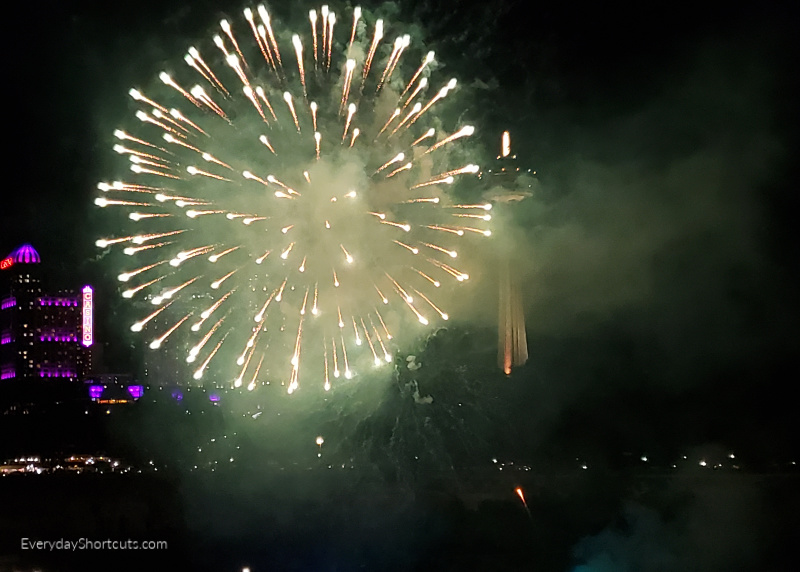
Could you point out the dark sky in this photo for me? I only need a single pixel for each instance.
(661, 235)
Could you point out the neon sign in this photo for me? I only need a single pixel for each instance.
(86, 330)
(7, 262)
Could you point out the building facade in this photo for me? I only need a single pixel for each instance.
(44, 333)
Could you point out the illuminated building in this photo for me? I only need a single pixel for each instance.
(44, 334)
(113, 388)
(508, 187)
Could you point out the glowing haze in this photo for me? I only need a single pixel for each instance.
(289, 200)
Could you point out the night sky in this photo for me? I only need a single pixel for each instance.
(661, 269)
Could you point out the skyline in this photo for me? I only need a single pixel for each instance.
(662, 154)
(656, 259)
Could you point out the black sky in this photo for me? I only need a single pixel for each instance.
(662, 241)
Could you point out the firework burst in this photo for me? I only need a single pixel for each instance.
(291, 199)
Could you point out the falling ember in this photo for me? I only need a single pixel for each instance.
(347, 373)
(138, 326)
(327, 384)
(250, 94)
(348, 79)
(423, 83)
(156, 343)
(324, 13)
(428, 59)
(350, 111)
(265, 141)
(335, 360)
(205, 314)
(285, 253)
(356, 131)
(388, 121)
(265, 18)
(375, 357)
(429, 133)
(443, 315)
(166, 79)
(226, 27)
(312, 16)
(250, 230)
(397, 158)
(125, 276)
(383, 325)
(262, 46)
(314, 308)
(132, 291)
(355, 332)
(263, 97)
(398, 47)
(298, 50)
(384, 299)
(200, 94)
(356, 17)
(287, 97)
(414, 111)
(405, 167)
(441, 95)
(197, 348)
(313, 106)
(198, 373)
(376, 38)
(331, 22)
(463, 132)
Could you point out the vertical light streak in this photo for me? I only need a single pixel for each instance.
(262, 44)
(376, 38)
(350, 65)
(252, 385)
(350, 112)
(312, 16)
(298, 50)
(226, 27)
(265, 18)
(287, 97)
(356, 17)
(428, 59)
(331, 22)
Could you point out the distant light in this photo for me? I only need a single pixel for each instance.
(506, 144)
(136, 391)
(87, 335)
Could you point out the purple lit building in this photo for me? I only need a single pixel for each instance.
(113, 388)
(44, 334)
